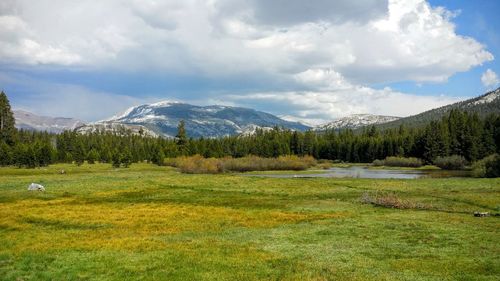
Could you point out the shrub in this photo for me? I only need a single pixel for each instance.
(390, 200)
(488, 167)
(198, 164)
(454, 162)
(393, 161)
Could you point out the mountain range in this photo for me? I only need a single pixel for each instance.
(28, 121)
(162, 119)
(355, 121)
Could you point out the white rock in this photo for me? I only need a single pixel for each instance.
(36, 187)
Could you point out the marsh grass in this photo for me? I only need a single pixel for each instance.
(199, 165)
(393, 161)
(391, 200)
(154, 223)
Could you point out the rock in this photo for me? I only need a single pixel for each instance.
(481, 214)
(36, 187)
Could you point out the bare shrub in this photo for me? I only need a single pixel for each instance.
(390, 200)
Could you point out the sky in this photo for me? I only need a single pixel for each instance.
(311, 61)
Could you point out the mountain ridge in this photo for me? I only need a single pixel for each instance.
(482, 105)
(163, 118)
(355, 121)
(32, 122)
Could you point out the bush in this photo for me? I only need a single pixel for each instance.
(399, 162)
(488, 167)
(198, 164)
(454, 162)
(390, 200)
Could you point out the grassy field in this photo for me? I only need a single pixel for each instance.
(153, 223)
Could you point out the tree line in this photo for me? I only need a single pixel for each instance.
(458, 133)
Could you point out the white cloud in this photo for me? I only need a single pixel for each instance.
(490, 79)
(17, 45)
(320, 107)
(367, 41)
(334, 49)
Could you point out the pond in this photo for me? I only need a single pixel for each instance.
(364, 172)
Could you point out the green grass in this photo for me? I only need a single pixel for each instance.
(153, 223)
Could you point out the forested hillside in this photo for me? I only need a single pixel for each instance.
(457, 133)
(483, 105)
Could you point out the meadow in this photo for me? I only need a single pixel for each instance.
(146, 222)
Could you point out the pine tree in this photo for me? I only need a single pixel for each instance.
(93, 156)
(116, 159)
(181, 137)
(7, 121)
(5, 154)
(79, 153)
(158, 156)
(126, 158)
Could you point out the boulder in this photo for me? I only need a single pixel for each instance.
(36, 187)
(481, 214)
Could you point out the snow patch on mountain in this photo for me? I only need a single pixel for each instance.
(356, 121)
(116, 128)
(488, 98)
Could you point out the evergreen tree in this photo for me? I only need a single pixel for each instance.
(79, 153)
(5, 154)
(93, 156)
(116, 159)
(158, 156)
(181, 137)
(7, 121)
(126, 158)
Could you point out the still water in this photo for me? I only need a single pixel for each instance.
(366, 173)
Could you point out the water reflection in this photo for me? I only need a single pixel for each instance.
(367, 173)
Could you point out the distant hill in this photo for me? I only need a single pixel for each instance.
(355, 121)
(117, 128)
(162, 118)
(29, 121)
(482, 105)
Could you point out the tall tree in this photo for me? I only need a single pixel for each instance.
(7, 121)
(181, 137)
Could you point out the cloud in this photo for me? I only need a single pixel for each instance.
(490, 79)
(317, 107)
(322, 58)
(367, 41)
(18, 45)
(64, 100)
(293, 12)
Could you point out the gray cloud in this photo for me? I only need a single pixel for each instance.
(291, 12)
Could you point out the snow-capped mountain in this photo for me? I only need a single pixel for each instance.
(355, 121)
(28, 121)
(200, 121)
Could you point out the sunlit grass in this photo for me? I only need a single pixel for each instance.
(148, 222)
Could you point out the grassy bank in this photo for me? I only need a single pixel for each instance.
(154, 223)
